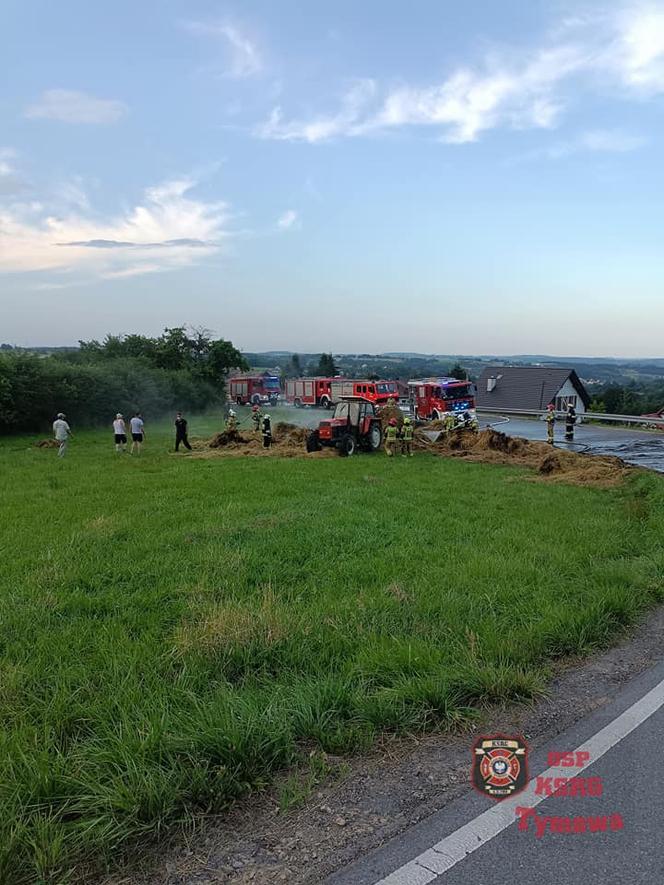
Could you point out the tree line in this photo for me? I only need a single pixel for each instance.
(180, 369)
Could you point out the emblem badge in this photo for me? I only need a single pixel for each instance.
(500, 766)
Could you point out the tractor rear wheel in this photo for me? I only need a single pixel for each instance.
(313, 442)
(347, 446)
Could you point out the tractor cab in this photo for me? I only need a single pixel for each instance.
(353, 425)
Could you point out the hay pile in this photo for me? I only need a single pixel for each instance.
(288, 441)
(386, 412)
(554, 465)
(47, 444)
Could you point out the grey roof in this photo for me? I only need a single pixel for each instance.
(525, 387)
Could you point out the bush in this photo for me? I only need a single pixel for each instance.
(34, 389)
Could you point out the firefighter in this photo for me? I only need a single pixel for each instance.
(231, 422)
(407, 438)
(449, 422)
(266, 430)
(256, 417)
(570, 421)
(550, 419)
(391, 436)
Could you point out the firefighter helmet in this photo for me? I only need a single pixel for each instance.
(393, 421)
(406, 420)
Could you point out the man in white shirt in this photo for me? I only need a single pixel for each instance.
(62, 432)
(137, 433)
(120, 432)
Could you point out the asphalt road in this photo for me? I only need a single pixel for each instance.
(640, 447)
(466, 842)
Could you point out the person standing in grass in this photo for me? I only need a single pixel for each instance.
(137, 433)
(391, 436)
(407, 438)
(120, 433)
(62, 433)
(181, 432)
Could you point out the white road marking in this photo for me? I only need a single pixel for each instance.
(445, 854)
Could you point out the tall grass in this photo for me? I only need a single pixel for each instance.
(173, 631)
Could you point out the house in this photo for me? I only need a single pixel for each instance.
(530, 388)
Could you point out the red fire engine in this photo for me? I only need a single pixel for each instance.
(309, 392)
(372, 391)
(254, 389)
(431, 398)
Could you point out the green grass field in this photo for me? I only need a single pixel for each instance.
(175, 630)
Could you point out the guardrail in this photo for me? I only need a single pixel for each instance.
(586, 416)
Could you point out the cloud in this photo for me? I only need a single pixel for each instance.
(289, 220)
(637, 52)
(322, 128)
(69, 106)
(245, 60)
(508, 88)
(169, 229)
(611, 141)
(10, 181)
(605, 141)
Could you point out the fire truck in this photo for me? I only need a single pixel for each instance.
(431, 398)
(377, 392)
(254, 389)
(309, 392)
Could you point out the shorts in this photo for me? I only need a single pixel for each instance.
(120, 438)
(137, 437)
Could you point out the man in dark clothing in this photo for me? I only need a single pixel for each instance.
(570, 421)
(181, 432)
(266, 430)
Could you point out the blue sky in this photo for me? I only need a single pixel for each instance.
(438, 176)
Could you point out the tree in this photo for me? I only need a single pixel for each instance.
(326, 366)
(293, 368)
(458, 371)
(221, 357)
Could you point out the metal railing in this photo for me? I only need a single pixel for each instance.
(585, 416)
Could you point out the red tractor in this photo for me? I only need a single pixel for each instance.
(354, 425)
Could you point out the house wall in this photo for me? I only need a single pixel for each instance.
(568, 389)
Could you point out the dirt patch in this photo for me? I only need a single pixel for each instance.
(47, 444)
(552, 465)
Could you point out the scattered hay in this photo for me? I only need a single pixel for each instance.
(47, 444)
(290, 434)
(487, 446)
(288, 441)
(554, 465)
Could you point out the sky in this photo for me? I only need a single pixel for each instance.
(435, 176)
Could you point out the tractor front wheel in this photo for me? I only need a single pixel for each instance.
(347, 446)
(375, 438)
(313, 442)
